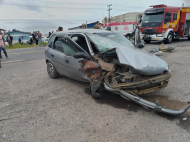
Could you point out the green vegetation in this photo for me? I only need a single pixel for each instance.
(17, 45)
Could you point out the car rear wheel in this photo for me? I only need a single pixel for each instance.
(51, 70)
(188, 38)
(169, 38)
(147, 41)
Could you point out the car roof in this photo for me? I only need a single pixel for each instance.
(92, 31)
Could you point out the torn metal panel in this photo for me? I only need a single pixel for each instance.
(138, 84)
(93, 71)
(106, 66)
(140, 62)
(155, 106)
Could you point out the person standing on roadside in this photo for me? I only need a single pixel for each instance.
(59, 29)
(49, 34)
(40, 38)
(97, 26)
(10, 40)
(2, 47)
(34, 38)
(36, 34)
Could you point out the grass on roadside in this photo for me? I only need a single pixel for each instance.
(17, 45)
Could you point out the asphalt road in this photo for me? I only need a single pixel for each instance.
(18, 55)
(35, 108)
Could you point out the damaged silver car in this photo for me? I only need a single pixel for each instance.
(109, 61)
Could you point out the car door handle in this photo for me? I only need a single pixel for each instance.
(67, 61)
(52, 55)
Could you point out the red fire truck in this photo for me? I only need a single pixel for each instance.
(164, 23)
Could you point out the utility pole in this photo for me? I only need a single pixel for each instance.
(109, 12)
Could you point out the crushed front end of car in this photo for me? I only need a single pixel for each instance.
(127, 71)
(112, 74)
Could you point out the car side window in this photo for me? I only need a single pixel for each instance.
(58, 46)
(65, 47)
(51, 40)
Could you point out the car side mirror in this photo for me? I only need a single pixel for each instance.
(82, 55)
(140, 45)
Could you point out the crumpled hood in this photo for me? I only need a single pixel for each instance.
(141, 62)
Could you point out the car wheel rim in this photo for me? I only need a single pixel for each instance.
(170, 38)
(128, 37)
(50, 69)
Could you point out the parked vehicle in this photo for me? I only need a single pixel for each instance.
(45, 39)
(125, 28)
(109, 61)
(164, 23)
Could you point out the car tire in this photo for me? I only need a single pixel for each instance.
(96, 95)
(188, 38)
(128, 37)
(52, 72)
(147, 41)
(169, 38)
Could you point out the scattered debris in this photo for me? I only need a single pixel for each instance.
(165, 48)
(3, 136)
(156, 52)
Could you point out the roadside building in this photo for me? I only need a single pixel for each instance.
(127, 17)
(88, 26)
(16, 34)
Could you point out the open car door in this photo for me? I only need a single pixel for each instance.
(73, 64)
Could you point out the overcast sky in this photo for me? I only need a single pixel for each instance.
(47, 15)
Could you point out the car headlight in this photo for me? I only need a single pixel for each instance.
(159, 35)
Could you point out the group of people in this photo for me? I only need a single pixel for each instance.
(58, 30)
(97, 26)
(2, 45)
(37, 38)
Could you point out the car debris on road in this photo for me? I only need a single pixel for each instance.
(165, 48)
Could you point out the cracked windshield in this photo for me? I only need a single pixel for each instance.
(106, 41)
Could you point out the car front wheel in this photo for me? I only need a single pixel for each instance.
(51, 70)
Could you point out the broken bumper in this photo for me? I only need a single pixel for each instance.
(152, 37)
(155, 106)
